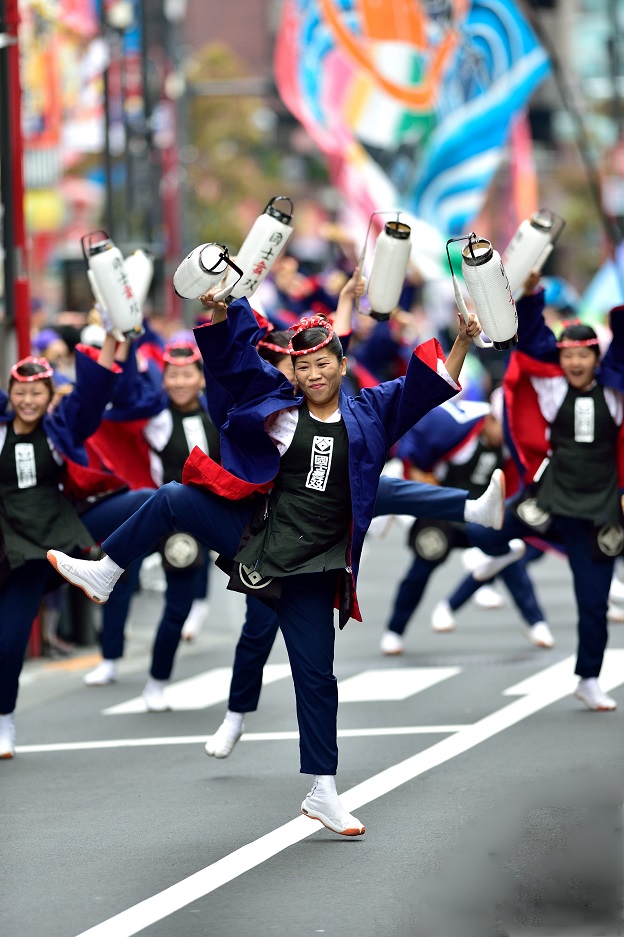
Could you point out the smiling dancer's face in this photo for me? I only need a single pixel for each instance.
(319, 375)
(182, 384)
(579, 365)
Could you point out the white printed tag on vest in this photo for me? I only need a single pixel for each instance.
(25, 465)
(584, 419)
(195, 433)
(320, 462)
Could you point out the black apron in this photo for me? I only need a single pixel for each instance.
(581, 479)
(304, 524)
(35, 516)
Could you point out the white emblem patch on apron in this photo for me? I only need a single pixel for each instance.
(320, 462)
(195, 433)
(584, 419)
(25, 465)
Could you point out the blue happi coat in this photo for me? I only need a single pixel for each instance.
(244, 390)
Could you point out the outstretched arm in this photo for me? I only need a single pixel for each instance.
(457, 355)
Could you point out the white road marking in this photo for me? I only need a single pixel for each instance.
(206, 689)
(247, 737)
(213, 687)
(390, 684)
(548, 690)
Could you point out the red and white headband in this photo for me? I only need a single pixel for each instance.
(577, 343)
(278, 348)
(311, 322)
(28, 378)
(181, 360)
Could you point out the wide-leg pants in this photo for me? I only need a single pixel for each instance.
(591, 576)
(394, 496)
(304, 611)
(21, 595)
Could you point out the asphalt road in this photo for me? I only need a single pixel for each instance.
(488, 813)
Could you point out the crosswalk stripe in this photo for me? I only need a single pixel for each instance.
(390, 684)
(213, 686)
(206, 689)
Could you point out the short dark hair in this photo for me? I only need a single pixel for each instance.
(184, 352)
(579, 332)
(308, 338)
(279, 337)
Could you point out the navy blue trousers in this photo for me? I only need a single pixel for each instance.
(518, 582)
(412, 588)
(21, 595)
(305, 610)
(592, 579)
(394, 496)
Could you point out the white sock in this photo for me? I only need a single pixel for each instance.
(111, 568)
(324, 785)
(233, 720)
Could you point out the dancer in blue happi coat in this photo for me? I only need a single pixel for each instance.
(565, 409)
(50, 493)
(320, 457)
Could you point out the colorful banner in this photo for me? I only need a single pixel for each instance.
(411, 101)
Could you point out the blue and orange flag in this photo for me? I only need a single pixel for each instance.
(411, 101)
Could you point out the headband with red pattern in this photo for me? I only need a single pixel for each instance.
(39, 376)
(312, 322)
(181, 360)
(278, 348)
(577, 343)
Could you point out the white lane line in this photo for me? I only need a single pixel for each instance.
(389, 684)
(201, 883)
(206, 689)
(247, 737)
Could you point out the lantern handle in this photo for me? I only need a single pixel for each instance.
(459, 299)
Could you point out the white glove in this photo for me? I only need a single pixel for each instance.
(107, 323)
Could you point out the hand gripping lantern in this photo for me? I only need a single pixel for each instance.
(111, 285)
(488, 286)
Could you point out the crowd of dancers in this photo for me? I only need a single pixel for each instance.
(264, 440)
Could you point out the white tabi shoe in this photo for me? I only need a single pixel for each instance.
(494, 564)
(489, 509)
(391, 644)
(153, 696)
(539, 635)
(487, 597)
(324, 805)
(102, 675)
(7, 736)
(197, 618)
(589, 692)
(220, 744)
(442, 618)
(96, 578)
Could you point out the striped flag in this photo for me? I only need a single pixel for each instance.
(411, 101)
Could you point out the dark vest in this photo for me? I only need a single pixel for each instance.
(188, 430)
(475, 474)
(307, 520)
(34, 514)
(581, 479)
